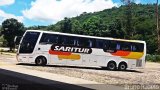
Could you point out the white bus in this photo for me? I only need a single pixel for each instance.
(45, 47)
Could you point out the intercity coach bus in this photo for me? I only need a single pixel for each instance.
(45, 47)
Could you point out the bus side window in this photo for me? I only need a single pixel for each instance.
(89, 42)
(110, 46)
(68, 40)
(85, 42)
(63, 40)
(137, 47)
(99, 43)
(49, 39)
(71, 41)
(125, 46)
(53, 39)
(80, 42)
(92, 43)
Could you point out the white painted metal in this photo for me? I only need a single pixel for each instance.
(97, 58)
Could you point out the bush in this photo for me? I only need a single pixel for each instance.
(1, 50)
(153, 58)
(3, 42)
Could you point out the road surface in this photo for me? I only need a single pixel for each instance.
(15, 77)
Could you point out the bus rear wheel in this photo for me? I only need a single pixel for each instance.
(122, 66)
(111, 66)
(41, 61)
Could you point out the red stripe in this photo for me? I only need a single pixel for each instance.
(59, 52)
(121, 53)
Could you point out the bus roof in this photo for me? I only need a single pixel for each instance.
(95, 37)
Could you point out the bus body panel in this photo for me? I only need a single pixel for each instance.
(96, 58)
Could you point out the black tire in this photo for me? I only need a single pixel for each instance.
(41, 61)
(111, 66)
(122, 66)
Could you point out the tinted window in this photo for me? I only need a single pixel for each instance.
(124, 46)
(29, 41)
(137, 47)
(99, 43)
(85, 42)
(111, 45)
(106, 44)
(49, 39)
(67, 40)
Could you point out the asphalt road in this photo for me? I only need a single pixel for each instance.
(10, 80)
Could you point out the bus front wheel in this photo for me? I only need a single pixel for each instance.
(41, 61)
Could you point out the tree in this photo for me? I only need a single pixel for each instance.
(116, 30)
(113, 23)
(36, 28)
(76, 27)
(66, 26)
(128, 17)
(94, 26)
(10, 29)
(158, 31)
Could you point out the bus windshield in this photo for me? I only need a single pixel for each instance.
(28, 42)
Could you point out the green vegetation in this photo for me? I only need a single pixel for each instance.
(107, 23)
(113, 23)
(10, 29)
(3, 42)
(153, 58)
(36, 28)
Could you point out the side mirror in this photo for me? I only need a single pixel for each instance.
(17, 40)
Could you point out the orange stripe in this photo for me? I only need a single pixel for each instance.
(70, 57)
(134, 55)
(128, 54)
